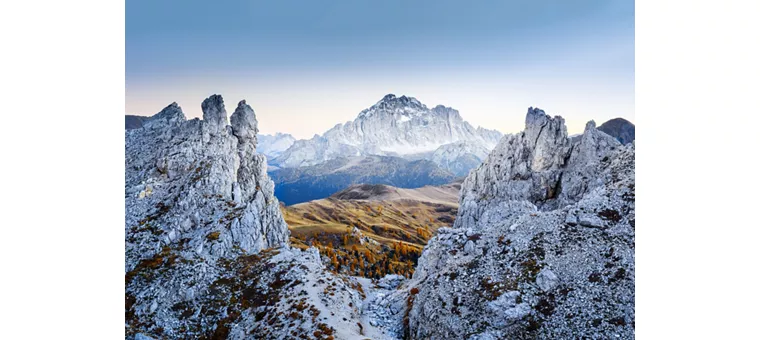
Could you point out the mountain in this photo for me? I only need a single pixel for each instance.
(542, 246)
(273, 145)
(623, 130)
(394, 126)
(459, 157)
(206, 248)
(134, 122)
(373, 222)
(296, 185)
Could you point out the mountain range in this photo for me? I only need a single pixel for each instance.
(542, 245)
(273, 145)
(400, 127)
(398, 141)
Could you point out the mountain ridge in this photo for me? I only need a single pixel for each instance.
(394, 126)
(207, 251)
(542, 245)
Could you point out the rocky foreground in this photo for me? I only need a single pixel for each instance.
(542, 247)
(207, 251)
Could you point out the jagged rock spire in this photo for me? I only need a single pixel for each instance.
(213, 111)
(171, 113)
(545, 226)
(244, 123)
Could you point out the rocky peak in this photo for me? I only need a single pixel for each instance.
(547, 136)
(447, 112)
(213, 111)
(541, 164)
(542, 246)
(395, 126)
(170, 114)
(391, 99)
(401, 105)
(206, 247)
(244, 124)
(181, 166)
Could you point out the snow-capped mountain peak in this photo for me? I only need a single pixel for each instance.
(273, 145)
(395, 126)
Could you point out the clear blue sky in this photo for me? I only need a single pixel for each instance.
(306, 65)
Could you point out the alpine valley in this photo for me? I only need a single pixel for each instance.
(405, 223)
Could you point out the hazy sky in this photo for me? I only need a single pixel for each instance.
(305, 66)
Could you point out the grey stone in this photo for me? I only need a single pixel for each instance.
(469, 247)
(531, 183)
(592, 221)
(571, 219)
(547, 280)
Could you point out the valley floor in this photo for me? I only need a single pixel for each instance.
(372, 231)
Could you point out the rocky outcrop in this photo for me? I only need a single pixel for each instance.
(542, 247)
(207, 252)
(543, 244)
(619, 128)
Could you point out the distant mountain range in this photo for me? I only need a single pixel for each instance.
(397, 141)
(541, 243)
(399, 127)
(273, 145)
(296, 185)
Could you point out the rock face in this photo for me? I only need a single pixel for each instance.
(460, 157)
(206, 246)
(623, 130)
(394, 126)
(542, 247)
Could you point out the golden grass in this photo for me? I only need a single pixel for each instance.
(407, 224)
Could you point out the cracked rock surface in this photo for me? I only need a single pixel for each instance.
(207, 252)
(542, 247)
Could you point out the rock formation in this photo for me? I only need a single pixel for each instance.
(543, 244)
(206, 245)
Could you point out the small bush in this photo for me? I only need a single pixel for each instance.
(213, 236)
